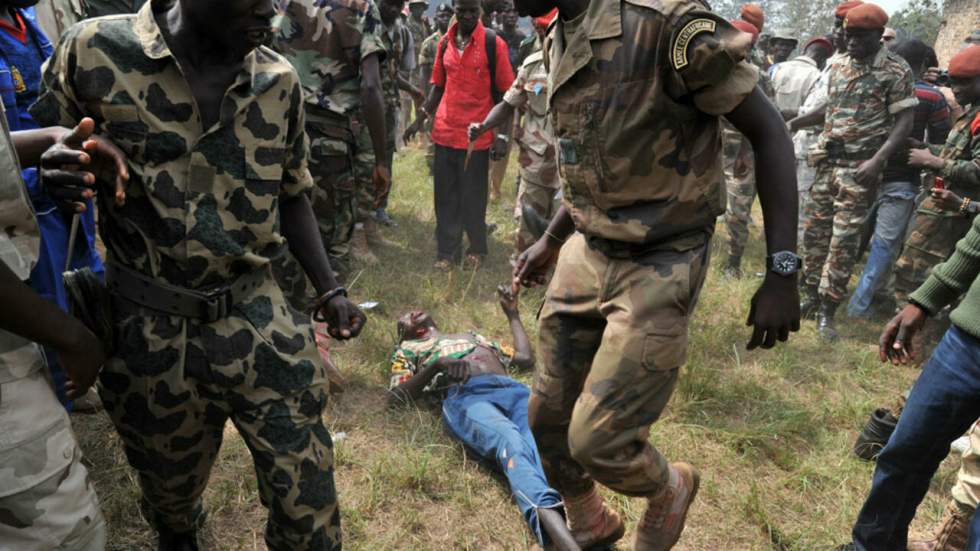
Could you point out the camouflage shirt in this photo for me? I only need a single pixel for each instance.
(326, 42)
(419, 30)
(201, 206)
(862, 101)
(401, 59)
(961, 160)
(637, 121)
(529, 94)
(429, 50)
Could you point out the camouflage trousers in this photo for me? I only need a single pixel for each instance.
(498, 167)
(46, 498)
(362, 157)
(174, 384)
(333, 194)
(966, 492)
(805, 174)
(741, 195)
(613, 336)
(836, 215)
(932, 238)
(541, 201)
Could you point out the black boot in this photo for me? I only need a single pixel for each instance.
(825, 321)
(734, 267)
(809, 303)
(177, 541)
(875, 434)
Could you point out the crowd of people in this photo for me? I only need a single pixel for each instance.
(187, 184)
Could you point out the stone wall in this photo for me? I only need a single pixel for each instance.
(960, 18)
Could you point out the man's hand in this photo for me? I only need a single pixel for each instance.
(412, 129)
(895, 344)
(532, 266)
(499, 148)
(458, 371)
(70, 167)
(923, 158)
(382, 183)
(344, 319)
(868, 172)
(931, 75)
(775, 311)
(508, 300)
(82, 361)
(476, 130)
(946, 199)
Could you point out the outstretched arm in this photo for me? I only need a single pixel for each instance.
(806, 120)
(502, 113)
(523, 353)
(775, 307)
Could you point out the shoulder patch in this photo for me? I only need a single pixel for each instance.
(975, 125)
(683, 38)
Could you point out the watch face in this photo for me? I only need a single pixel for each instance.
(784, 263)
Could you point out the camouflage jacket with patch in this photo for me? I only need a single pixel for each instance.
(529, 94)
(862, 101)
(201, 206)
(636, 96)
(326, 41)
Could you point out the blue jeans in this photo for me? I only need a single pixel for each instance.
(943, 404)
(893, 209)
(489, 415)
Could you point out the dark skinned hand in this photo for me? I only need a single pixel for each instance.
(381, 178)
(868, 172)
(413, 129)
(70, 168)
(498, 149)
(344, 320)
(924, 158)
(775, 311)
(914, 143)
(508, 300)
(458, 371)
(946, 199)
(82, 362)
(532, 266)
(895, 344)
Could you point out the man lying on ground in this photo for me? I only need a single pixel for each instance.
(482, 405)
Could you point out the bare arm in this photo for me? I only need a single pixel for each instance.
(502, 113)
(806, 120)
(870, 170)
(523, 353)
(373, 102)
(412, 389)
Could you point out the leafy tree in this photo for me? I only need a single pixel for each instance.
(919, 19)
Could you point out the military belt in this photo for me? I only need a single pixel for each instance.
(207, 305)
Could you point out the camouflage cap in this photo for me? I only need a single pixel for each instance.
(785, 33)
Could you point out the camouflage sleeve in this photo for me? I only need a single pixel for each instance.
(965, 172)
(57, 104)
(901, 96)
(516, 95)
(708, 56)
(296, 178)
(370, 30)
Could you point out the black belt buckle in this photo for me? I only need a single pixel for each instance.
(217, 305)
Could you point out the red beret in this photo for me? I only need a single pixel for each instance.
(545, 19)
(753, 14)
(966, 63)
(845, 7)
(820, 41)
(866, 16)
(746, 27)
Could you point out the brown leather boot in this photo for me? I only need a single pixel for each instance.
(592, 522)
(662, 524)
(951, 534)
(359, 248)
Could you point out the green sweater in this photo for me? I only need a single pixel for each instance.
(954, 277)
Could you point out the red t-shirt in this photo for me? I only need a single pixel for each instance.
(465, 79)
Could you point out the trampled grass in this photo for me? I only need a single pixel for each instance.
(771, 431)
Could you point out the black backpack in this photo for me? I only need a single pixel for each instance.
(491, 47)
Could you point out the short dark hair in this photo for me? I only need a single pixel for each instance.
(913, 50)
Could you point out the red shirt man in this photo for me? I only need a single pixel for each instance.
(465, 76)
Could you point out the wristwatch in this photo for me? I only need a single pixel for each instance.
(784, 263)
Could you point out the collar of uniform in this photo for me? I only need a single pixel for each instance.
(603, 19)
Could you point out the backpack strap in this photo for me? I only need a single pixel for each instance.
(491, 47)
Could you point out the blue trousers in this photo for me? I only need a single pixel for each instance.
(489, 415)
(943, 404)
(893, 209)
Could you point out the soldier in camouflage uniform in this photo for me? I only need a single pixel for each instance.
(868, 116)
(935, 227)
(639, 154)
(56, 16)
(420, 28)
(46, 498)
(336, 48)
(218, 189)
(538, 166)
(427, 58)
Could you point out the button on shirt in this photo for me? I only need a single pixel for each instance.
(201, 204)
(465, 77)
